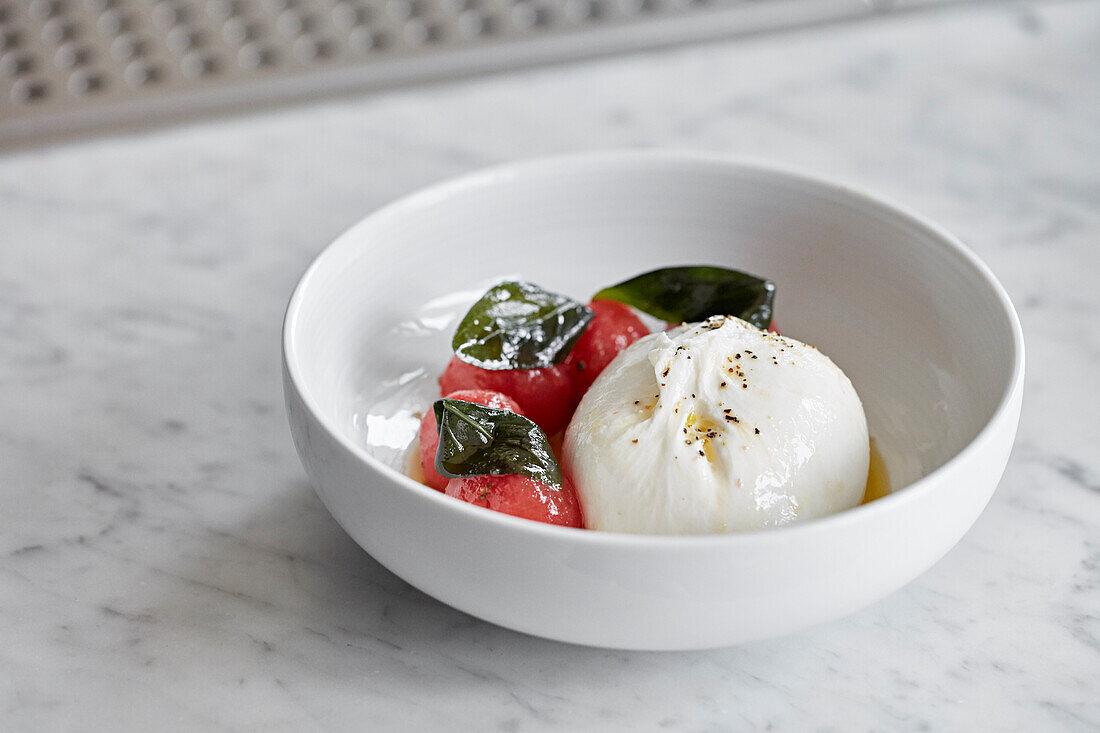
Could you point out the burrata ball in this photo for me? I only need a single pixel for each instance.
(717, 427)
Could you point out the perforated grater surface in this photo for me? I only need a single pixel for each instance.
(77, 66)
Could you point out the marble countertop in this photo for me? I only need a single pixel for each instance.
(164, 564)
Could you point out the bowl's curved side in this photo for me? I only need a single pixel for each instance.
(630, 593)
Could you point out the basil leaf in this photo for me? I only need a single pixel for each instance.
(475, 440)
(690, 294)
(519, 326)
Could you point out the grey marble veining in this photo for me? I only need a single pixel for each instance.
(164, 565)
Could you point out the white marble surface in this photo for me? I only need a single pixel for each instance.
(164, 565)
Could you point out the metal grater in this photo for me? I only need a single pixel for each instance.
(72, 67)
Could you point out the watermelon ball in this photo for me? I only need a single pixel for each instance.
(521, 497)
(546, 395)
(613, 328)
(429, 431)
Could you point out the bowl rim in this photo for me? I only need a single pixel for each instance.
(622, 159)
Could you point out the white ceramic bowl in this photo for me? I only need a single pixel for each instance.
(927, 335)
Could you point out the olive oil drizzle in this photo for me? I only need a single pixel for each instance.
(878, 479)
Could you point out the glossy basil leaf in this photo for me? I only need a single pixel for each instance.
(688, 294)
(519, 326)
(475, 440)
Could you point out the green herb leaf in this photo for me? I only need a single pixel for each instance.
(691, 294)
(475, 440)
(519, 326)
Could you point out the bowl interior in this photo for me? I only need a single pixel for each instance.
(912, 320)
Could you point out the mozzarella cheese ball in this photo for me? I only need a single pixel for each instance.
(716, 427)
